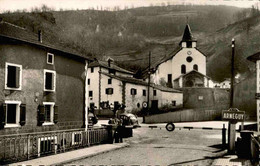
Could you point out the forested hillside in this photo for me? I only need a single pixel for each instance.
(128, 35)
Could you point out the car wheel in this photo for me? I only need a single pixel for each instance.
(170, 127)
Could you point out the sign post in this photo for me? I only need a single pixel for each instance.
(233, 115)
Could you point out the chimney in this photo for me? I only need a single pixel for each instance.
(40, 36)
(110, 61)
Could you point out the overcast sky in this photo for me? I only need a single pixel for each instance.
(86, 4)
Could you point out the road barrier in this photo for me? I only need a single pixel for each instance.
(171, 127)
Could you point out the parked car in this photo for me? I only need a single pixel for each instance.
(129, 119)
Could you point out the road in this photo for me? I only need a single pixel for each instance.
(160, 147)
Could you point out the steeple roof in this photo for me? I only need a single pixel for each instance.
(187, 35)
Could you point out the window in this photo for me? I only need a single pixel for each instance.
(109, 91)
(173, 103)
(13, 76)
(183, 69)
(49, 80)
(169, 78)
(189, 59)
(47, 114)
(112, 71)
(154, 92)
(89, 81)
(109, 81)
(92, 69)
(195, 67)
(12, 114)
(76, 138)
(189, 44)
(50, 58)
(90, 93)
(47, 145)
(144, 92)
(133, 91)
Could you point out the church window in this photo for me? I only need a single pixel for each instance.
(189, 44)
(189, 59)
(183, 69)
(195, 67)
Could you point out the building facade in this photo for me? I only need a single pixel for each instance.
(183, 60)
(119, 87)
(39, 84)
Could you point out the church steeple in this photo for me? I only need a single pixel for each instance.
(187, 39)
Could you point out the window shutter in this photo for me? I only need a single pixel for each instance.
(22, 114)
(55, 114)
(41, 115)
(2, 115)
(17, 77)
(52, 81)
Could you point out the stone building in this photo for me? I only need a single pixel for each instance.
(42, 89)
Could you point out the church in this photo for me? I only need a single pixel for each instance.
(184, 67)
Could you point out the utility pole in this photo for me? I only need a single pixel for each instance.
(232, 73)
(232, 124)
(149, 80)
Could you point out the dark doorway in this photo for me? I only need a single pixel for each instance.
(154, 106)
(189, 83)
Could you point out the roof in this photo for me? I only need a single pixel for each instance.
(140, 82)
(254, 57)
(162, 60)
(112, 66)
(190, 73)
(14, 32)
(187, 35)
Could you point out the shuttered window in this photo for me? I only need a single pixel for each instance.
(12, 114)
(13, 76)
(47, 114)
(49, 80)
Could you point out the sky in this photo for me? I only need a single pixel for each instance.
(13, 5)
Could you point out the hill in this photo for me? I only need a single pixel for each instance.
(128, 35)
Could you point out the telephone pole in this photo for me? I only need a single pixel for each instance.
(232, 73)
(232, 124)
(149, 80)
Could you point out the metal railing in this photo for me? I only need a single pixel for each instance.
(255, 148)
(19, 147)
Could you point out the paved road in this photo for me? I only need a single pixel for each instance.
(160, 147)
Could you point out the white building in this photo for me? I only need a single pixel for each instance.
(109, 88)
(183, 60)
(97, 83)
(225, 84)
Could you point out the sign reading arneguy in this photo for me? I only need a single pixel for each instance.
(232, 114)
